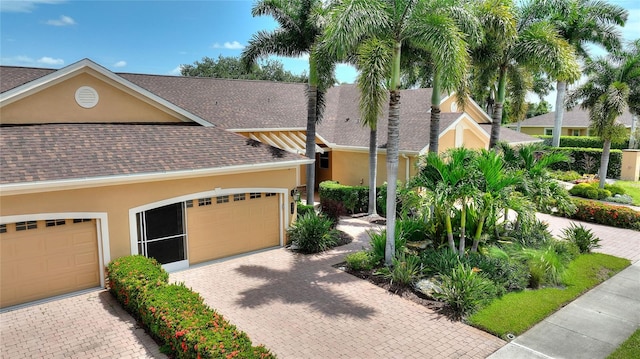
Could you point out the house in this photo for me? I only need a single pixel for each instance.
(574, 123)
(98, 165)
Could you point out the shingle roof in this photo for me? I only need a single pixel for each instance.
(511, 136)
(232, 103)
(576, 118)
(12, 76)
(71, 151)
(245, 104)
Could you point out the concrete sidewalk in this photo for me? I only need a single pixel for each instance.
(596, 323)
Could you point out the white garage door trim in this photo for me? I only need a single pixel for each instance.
(102, 231)
(133, 229)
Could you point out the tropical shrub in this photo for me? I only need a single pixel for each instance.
(587, 160)
(606, 214)
(129, 277)
(355, 199)
(582, 237)
(583, 142)
(545, 264)
(313, 233)
(174, 315)
(590, 190)
(506, 274)
(378, 241)
(304, 209)
(332, 210)
(405, 270)
(464, 290)
(190, 329)
(360, 261)
(620, 198)
(566, 176)
(439, 261)
(531, 233)
(412, 230)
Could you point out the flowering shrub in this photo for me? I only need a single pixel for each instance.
(606, 214)
(174, 314)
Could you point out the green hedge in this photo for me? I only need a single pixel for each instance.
(174, 314)
(583, 142)
(354, 198)
(606, 214)
(587, 160)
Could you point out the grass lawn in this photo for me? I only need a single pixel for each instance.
(632, 188)
(518, 311)
(629, 349)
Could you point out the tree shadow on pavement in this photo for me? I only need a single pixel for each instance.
(309, 282)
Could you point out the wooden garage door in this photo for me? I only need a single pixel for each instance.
(41, 262)
(223, 226)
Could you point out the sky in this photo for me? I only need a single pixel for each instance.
(152, 36)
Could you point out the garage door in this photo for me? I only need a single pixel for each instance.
(40, 259)
(222, 226)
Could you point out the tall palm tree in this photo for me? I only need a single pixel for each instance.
(535, 45)
(300, 23)
(397, 21)
(581, 22)
(613, 86)
(374, 66)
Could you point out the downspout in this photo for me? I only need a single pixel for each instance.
(407, 163)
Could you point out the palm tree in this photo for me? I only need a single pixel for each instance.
(534, 45)
(374, 67)
(613, 86)
(395, 22)
(581, 22)
(301, 23)
(495, 188)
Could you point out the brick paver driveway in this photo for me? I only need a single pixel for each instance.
(90, 325)
(300, 307)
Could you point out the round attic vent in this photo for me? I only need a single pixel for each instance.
(87, 97)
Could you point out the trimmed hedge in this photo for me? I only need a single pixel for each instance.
(606, 214)
(175, 315)
(583, 156)
(583, 142)
(354, 198)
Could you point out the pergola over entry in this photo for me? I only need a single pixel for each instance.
(289, 140)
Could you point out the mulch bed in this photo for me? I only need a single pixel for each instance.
(404, 292)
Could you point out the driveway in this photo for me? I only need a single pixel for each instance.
(89, 325)
(301, 307)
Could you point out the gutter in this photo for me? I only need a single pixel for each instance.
(88, 182)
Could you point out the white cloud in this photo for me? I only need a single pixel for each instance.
(234, 45)
(177, 71)
(22, 60)
(120, 64)
(50, 61)
(25, 5)
(62, 21)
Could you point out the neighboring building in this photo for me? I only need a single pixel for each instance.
(574, 123)
(98, 165)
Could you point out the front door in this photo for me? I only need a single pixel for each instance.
(161, 235)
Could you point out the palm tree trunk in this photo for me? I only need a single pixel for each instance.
(373, 170)
(310, 152)
(604, 162)
(632, 136)
(392, 173)
(463, 228)
(393, 142)
(310, 144)
(449, 228)
(476, 237)
(434, 130)
(561, 87)
(497, 108)
(495, 126)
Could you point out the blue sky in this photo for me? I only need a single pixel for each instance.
(148, 36)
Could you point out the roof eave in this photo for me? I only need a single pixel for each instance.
(77, 183)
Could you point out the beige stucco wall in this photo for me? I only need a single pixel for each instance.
(532, 131)
(57, 104)
(470, 109)
(352, 168)
(117, 200)
(630, 165)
